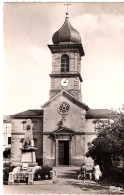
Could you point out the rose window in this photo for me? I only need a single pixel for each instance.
(63, 108)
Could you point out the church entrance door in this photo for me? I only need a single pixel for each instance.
(63, 154)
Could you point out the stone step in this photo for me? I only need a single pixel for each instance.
(43, 182)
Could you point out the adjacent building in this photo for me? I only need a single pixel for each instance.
(6, 131)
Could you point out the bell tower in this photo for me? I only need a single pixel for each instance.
(67, 51)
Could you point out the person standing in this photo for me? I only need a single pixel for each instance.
(97, 173)
(83, 172)
(90, 176)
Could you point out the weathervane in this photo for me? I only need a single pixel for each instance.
(67, 4)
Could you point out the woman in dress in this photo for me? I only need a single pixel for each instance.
(97, 172)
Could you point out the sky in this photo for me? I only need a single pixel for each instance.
(28, 29)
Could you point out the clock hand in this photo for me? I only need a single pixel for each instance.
(65, 81)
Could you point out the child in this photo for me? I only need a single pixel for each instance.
(82, 174)
(90, 175)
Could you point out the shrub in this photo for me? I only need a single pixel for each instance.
(7, 152)
(6, 171)
(45, 171)
(37, 172)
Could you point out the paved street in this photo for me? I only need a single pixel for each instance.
(66, 183)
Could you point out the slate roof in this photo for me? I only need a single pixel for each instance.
(29, 113)
(90, 113)
(94, 113)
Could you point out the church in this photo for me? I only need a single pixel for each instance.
(64, 125)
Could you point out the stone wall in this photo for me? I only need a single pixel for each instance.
(74, 61)
(74, 120)
(74, 86)
(90, 134)
(78, 150)
(48, 151)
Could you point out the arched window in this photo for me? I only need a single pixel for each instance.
(64, 63)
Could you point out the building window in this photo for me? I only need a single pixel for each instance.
(9, 140)
(24, 124)
(64, 63)
(63, 108)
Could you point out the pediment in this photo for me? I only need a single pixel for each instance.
(63, 130)
(69, 97)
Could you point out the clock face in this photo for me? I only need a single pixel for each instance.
(64, 82)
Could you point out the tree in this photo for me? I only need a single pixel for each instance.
(109, 144)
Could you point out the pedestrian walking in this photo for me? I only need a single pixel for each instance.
(83, 171)
(97, 173)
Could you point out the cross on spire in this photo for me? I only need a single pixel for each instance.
(67, 4)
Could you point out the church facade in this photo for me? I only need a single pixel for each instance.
(64, 125)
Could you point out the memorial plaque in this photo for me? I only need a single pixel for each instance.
(27, 157)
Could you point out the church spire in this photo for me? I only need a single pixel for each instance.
(66, 34)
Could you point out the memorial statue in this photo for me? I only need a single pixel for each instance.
(28, 143)
(28, 149)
